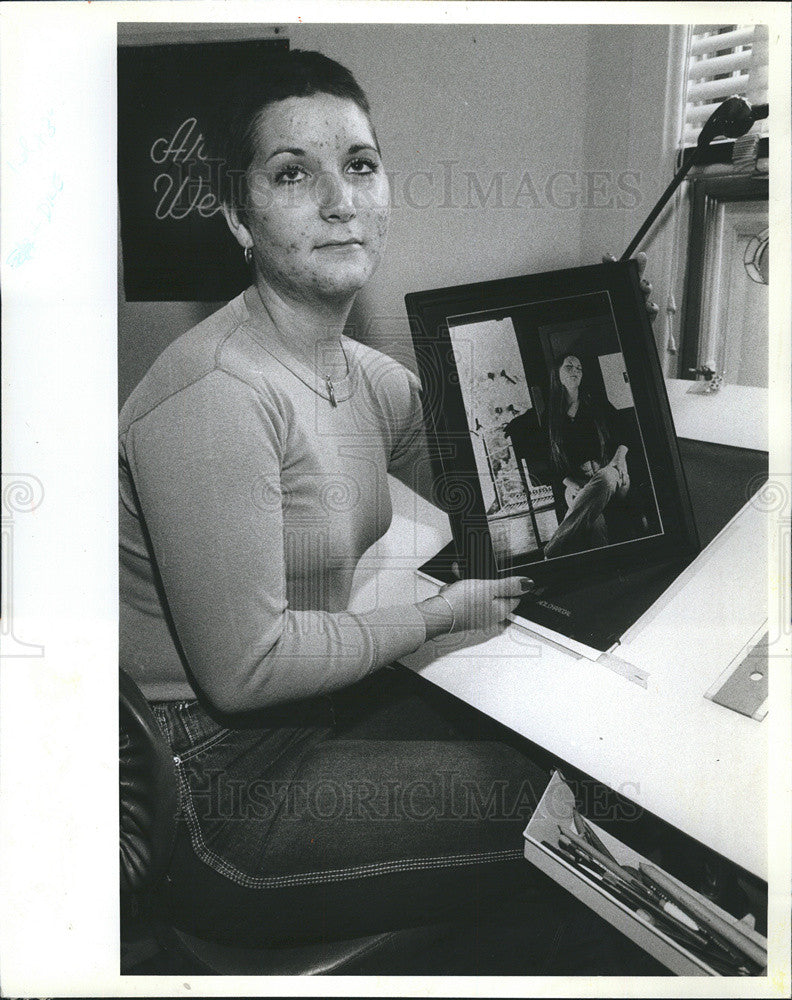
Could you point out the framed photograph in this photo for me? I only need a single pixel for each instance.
(553, 447)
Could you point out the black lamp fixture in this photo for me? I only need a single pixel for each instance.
(733, 118)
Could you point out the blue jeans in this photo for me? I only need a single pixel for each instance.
(584, 525)
(346, 816)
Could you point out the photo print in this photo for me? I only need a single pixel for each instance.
(558, 446)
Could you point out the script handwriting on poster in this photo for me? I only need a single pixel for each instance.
(181, 188)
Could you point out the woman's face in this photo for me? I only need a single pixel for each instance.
(319, 199)
(570, 374)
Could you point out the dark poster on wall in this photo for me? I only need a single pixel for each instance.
(176, 244)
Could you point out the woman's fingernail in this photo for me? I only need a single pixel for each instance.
(526, 584)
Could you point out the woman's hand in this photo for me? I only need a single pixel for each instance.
(619, 462)
(472, 604)
(652, 308)
(572, 490)
(587, 469)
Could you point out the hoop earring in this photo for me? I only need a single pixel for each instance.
(249, 256)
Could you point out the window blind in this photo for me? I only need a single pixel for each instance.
(724, 60)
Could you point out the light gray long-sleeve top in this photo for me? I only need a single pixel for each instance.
(246, 501)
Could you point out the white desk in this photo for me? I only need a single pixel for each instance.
(695, 764)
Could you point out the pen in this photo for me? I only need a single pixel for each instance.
(697, 944)
(603, 859)
(701, 944)
(661, 899)
(677, 914)
(664, 903)
(590, 867)
(561, 852)
(664, 920)
(711, 921)
(723, 960)
(700, 939)
(657, 903)
(712, 952)
(571, 853)
(636, 894)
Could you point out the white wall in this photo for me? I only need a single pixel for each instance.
(628, 132)
(531, 108)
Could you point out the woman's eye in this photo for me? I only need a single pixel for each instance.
(290, 175)
(362, 165)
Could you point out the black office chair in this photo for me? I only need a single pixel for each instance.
(148, 806)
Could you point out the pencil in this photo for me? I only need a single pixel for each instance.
(603, 859)
(704, 916)
(722, 960)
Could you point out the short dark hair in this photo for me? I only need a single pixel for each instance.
(230, 131)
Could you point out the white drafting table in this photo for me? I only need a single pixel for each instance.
(695, 764)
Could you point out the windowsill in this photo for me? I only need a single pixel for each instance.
(735, 415)
(721, 152)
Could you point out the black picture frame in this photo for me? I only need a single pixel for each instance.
(593, 593)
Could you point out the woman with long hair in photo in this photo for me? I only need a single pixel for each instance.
(586, 456)
(314, 802)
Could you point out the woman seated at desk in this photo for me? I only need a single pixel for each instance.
(253, 461)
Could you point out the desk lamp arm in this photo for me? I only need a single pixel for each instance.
(733, 118)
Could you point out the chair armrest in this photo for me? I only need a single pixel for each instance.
(148, 795)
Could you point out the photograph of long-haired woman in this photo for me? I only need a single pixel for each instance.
(558, 446)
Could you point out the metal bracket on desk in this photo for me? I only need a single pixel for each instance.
(628, 670)
(743, 686)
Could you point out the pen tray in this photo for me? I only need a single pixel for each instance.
(555, 809)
